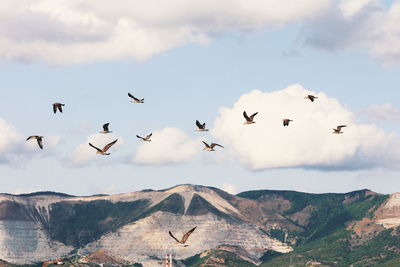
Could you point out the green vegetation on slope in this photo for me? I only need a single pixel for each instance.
(327, 240)
(217, 258)
(78, 223)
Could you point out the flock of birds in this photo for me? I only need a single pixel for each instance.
(201, 127)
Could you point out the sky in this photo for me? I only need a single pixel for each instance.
(200, 60)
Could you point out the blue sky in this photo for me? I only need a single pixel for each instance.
(188, 81)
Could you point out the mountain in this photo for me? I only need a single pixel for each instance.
(264, 227)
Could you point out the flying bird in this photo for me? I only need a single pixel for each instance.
(38, 139)
(338, 129)
(57, 106)
(311, 97)
(249, 120)
(105, 148)
(56, 262)
(210, 147)
(105, 129)
(135, 100)
(201, 127)
(184, 238)
(286, 122)
(145, 139)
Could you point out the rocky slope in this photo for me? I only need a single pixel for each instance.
(255, 226)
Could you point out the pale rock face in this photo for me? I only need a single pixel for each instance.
(149, 237)
(187, 192)
(388, 215)
(25, 242)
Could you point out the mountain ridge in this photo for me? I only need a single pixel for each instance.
(134, 225)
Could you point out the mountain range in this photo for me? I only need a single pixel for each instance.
(263, 227)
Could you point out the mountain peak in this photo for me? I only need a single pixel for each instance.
(187, 191)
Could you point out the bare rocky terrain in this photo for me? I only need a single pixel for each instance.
(133, 227)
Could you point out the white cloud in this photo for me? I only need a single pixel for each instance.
(74, 31)
(365, 23)
(83, 153)
(384, 112)
(169, 145)
(15, 150)
(308, 142)
(10, 138)
(352, 7)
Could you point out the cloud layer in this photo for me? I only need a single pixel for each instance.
(308, 142)
(74, 31)
(83, 153)
(366, 23)
(15, 150)
(384, 112)
(169, 145)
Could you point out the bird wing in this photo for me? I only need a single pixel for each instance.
(139, 137)
(245, 116)
(214, 144)
(32, 136)
(206, 144)
(148, 136)
(40, 142)
(186, 236)
(340, 127)
(252, 116)
(198, 124)
(169, 232)
(105, 127)
(311, 97)
(98, 149)
(54, 108)
(106, 147)
(59, 107)
(131, 96)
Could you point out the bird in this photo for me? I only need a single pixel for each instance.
(56, 262)
(145, 139)
(38, 139)
(105, 128)
(286, 122)
(338, 129)
(57, 106)
(201, 127)
(184, 238)
(135, 100)
(105, 148)
(210, 147)
(311, 97)
(249, 120)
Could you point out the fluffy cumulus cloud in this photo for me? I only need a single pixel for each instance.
(84, 154)
(384, 112)
(169, 145)
(308, 142)
(366, 23)
(73, 31)
(15, 150)
(10, 138)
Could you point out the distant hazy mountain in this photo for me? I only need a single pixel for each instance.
(271, 228)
